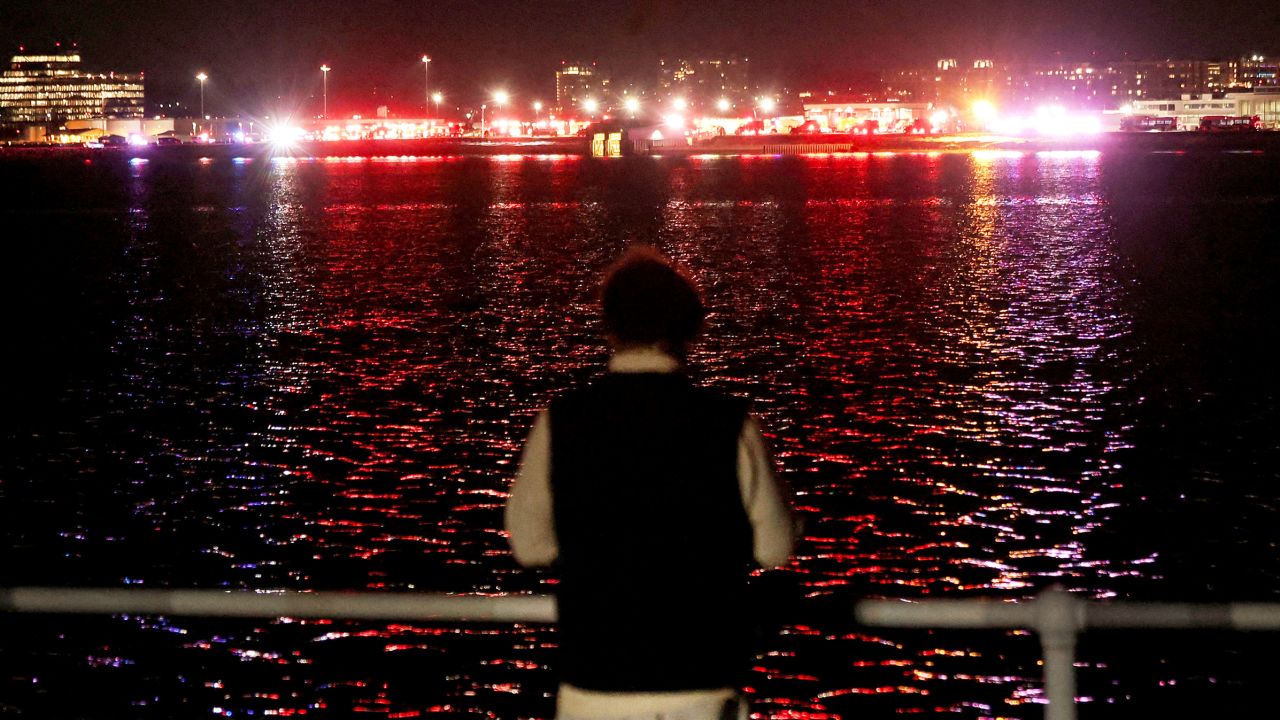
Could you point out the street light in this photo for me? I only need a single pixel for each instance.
(426, 79)
(202, 77)
(723, 105)
(768, 104)
(679, 104)
(591, 106)
(500, 98)
(537, 109)
(436, 98)
(325, 70)
(632, 105)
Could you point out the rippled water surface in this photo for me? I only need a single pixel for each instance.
(982, 374)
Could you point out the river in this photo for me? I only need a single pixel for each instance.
(981, 374)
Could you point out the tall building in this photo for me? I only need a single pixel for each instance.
(704, 82)
(52, 88)
(576, 83)
(1255, 72)
(1076, 84)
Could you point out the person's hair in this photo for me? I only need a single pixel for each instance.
(647, 301)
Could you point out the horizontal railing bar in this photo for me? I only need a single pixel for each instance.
(995, 614)
(1239, 616)
(271, 604)
(1055, 615)
(541, 608)
(946, 614)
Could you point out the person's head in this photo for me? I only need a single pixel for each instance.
(647, 301)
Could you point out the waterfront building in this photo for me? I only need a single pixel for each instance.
(52, 88)
(1188, 109)
(1264, 103)
(837, 116)
(576, 83)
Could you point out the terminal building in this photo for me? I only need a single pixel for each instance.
(52, 88)
(1190, 109)
(833, 115)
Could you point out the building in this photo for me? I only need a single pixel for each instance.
(1255, 72)
(1189, 109)
(1093, 85)
(703, 83)
(833, 115)
(576, 83)
(1263, 103)
(52, 88)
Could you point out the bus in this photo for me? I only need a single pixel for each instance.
(1148, 123)
(1230, 123)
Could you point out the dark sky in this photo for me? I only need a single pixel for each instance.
(256, 51)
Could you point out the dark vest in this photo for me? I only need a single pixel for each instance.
(655, 545)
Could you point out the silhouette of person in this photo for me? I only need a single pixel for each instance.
(653, 499)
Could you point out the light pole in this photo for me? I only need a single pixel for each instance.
(483, 132)
(325, 70)
(500, 98)
(202, 77)
(426, 79)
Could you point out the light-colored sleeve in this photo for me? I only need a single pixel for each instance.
(770, 512)
(529, 520)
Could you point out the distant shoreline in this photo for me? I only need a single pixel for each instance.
(728, 145)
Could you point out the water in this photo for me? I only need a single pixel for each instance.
(981, 373)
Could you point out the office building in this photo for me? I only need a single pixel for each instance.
(53, 88)
(576, 83)
(705, 82)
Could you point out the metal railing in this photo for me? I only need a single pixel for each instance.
(1055, 615)
(273, 603)
(1058, 618)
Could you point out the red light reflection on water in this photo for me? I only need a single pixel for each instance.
(931, 341)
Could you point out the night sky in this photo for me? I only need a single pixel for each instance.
(258, 51)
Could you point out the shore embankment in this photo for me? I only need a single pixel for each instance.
(728, 145)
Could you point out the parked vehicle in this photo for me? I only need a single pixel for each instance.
(867, 127)
(1148, 123)
(1230, 123)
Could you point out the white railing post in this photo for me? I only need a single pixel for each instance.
(1059, 618)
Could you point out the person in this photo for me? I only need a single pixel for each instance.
(653, 499)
